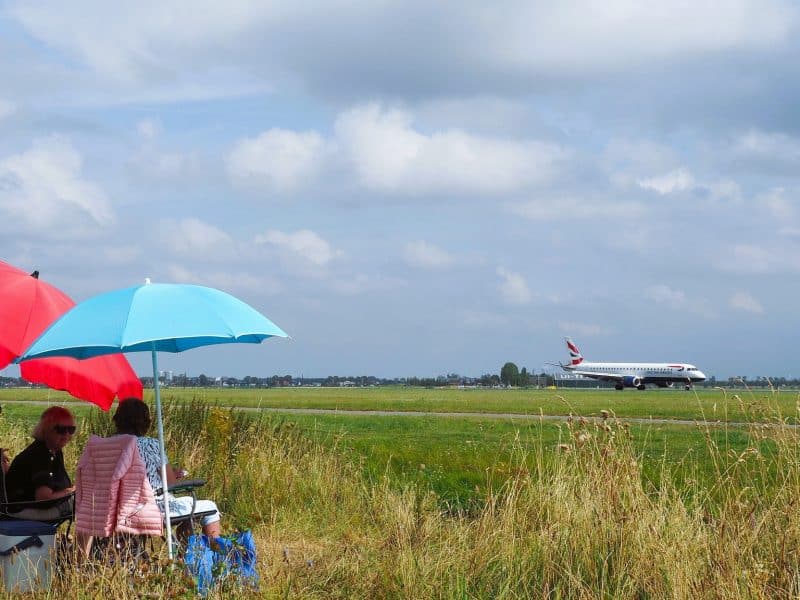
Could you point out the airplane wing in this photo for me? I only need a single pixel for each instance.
(600, 376)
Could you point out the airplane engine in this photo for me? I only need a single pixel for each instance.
(631, 381)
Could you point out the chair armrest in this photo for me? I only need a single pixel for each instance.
(186, 484)
(20, 504)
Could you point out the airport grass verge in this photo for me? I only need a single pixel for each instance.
(700, 404)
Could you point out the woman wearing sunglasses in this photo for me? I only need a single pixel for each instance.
(38, 474)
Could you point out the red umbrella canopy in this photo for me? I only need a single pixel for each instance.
(27, 307)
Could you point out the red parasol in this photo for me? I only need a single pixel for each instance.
(27, 307)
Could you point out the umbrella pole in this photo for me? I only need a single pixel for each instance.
(160, 423)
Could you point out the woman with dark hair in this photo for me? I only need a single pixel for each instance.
(133, 417)
(38, 474)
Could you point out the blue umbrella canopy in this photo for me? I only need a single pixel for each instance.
(158, 316)
(153, 317)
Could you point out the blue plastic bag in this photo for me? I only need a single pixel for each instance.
(217, 561)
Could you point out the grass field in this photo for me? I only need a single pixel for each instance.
(350, 505)
(460, 458)
(700, 404)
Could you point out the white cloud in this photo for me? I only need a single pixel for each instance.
(304, 245)
(277, 158)
(147, 40)
(192, 237)
(682, 180)
(663, 294)
(746, 302)
(388, 154)
(157, 39)
(382, 151)
(44, 189)
(575, 36)
(513, 287)
(483, 113)
(679, 180)
(426, 255)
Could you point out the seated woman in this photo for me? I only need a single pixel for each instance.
(133, 417)
(38, 474)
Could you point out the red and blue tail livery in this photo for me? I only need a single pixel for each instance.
(575, 355)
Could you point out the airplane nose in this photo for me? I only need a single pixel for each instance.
(701, 376)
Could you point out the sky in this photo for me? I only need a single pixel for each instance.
(411, 188)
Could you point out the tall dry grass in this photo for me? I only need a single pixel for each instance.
(575, 520)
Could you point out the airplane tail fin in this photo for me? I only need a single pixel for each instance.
(575, 356)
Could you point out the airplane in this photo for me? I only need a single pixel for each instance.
(632, 374)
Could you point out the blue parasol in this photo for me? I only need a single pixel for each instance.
(151, 318)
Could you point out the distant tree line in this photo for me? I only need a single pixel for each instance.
(510, 376)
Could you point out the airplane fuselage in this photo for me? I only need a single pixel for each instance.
(632, 374)
(635, 374)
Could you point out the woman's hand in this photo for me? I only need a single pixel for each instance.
(46, 493)
(175, 474)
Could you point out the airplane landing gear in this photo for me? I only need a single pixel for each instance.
(619, 387)
(640, 387)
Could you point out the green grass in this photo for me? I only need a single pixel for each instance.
(350, 506)
(461, 458)
(675, 404)
(700, 404)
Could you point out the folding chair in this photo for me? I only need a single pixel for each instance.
(191, 486)
(115, 503)
(38, 540)
(10, 510)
